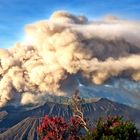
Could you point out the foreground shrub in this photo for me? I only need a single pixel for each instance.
(52, 128)
(115, 128)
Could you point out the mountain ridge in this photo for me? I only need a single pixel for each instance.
(22, 124)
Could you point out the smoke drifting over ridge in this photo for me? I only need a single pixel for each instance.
(66, 45)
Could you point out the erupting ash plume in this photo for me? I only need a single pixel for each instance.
(66, 45)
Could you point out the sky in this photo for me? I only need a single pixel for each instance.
(14, 14)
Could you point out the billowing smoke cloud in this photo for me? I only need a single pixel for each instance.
(66, 45)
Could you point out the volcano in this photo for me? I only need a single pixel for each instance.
(20, 123)
(58, 55)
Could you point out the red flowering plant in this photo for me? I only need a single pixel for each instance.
(52, 128)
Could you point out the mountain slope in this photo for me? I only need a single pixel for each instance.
(26, 129)
(20, 123)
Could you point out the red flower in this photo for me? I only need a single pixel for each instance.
(116, 124)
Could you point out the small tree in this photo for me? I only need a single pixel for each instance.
(77, 109)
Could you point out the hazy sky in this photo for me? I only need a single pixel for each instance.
(14, 14)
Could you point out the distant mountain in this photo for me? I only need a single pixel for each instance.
(20, 123)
